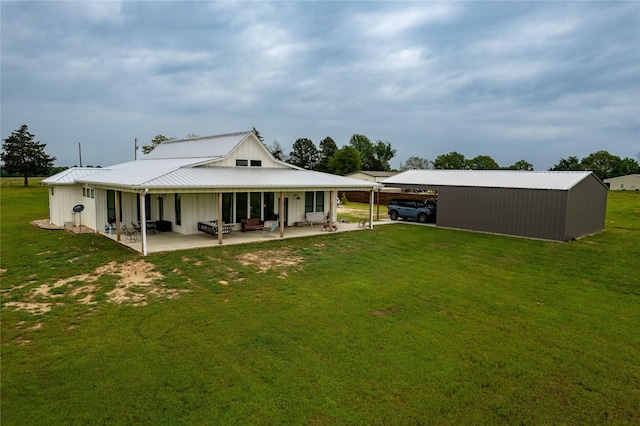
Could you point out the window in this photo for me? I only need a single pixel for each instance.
(147, 207)
(320, 201)
(93, 193)
(622, 186)
(84, 192)
(308, 202)
(52, 190)
(243, 163)
(241, 206)
(160, 208)
(111, 206)
(178, 209)
(227, 208)
(254, 204)
(256, 163)
(269, 206)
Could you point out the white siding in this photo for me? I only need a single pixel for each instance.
(61, 203)
(249, 150)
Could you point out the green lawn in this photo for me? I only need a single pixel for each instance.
(402, 324)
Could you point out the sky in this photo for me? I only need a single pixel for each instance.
(538, 81)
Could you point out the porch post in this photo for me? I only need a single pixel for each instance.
(143, 228)
(332, 203)
(371, 209)
(219, 217)
(281, 217)
(117, 196)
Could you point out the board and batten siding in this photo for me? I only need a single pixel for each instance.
(62, 202)
(249, 150)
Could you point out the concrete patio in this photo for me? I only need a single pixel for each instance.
(171, 241)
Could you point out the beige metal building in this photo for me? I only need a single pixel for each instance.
(624, 183)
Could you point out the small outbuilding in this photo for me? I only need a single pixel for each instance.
(556, 206)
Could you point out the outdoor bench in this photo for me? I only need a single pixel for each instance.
(315, 217)
(251, 224)
(211, 227)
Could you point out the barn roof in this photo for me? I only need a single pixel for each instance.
(489, 179)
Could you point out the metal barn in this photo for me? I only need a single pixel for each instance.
(548, 205)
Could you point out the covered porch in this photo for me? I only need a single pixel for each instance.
(171, 241)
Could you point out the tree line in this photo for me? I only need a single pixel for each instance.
(23, 156)
(601, 163)
(360, 154)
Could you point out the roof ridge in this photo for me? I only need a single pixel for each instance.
(206, 137)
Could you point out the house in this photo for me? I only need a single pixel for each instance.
(556, 206)
(371, 176)
(181, 183)
(624, 183)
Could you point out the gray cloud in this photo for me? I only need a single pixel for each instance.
(538, 81)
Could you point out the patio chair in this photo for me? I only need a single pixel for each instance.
(269, 229)
(138, 228)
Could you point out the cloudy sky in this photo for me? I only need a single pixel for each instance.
(537, 81)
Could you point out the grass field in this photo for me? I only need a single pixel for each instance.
(402, 324)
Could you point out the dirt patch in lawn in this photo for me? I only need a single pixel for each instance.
(267, 260)
(136, 284)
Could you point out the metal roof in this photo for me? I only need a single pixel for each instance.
(254, 177)
(218, 146)
(489, 179)
(136, 173)
(374, 173)
(191, 174)
(69, 176)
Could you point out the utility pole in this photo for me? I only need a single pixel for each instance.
(135, 149)
(80, 153)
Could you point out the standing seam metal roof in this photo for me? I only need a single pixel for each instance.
(490, 179)
(206, 146)
(69, 176)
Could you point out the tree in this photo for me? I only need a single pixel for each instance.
(373, 156)
(21, 154)
(363, 145)
(602, 164)
(416, 163)
(451, 161)
(193, 136)
(567, 164)
(328, 149)
(276, 150)
(483, 162)
(257, 133)
(521, 165)
(628, 166)
(383, 153)
(155, 142)
(345, 160)
(304, 154)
